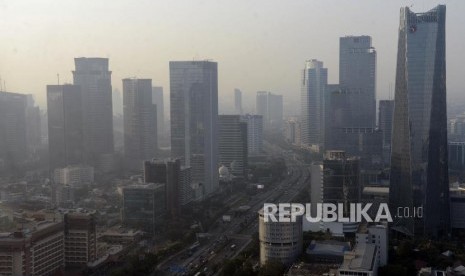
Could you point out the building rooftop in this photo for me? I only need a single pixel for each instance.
(329, 247)
(361, 258)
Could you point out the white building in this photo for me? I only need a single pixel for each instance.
(279, 240)
(74, 176)
(377, 235)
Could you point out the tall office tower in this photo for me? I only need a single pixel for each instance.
(254, 134)
(177, 179)
(419, 165)
(238, 101)
(140, 121)
(385, 117)
(279, 241)
(313, 93)
(270, 106)
(178, 189)
(194, 119)
(154, 171)
(342, 134)
(95, 80)
(65, 130)
(80, 239)
(357, 76)
(33, 131)
(341, 179)
(143, 206)
(233, 144)
(13, 133)
(157, 99)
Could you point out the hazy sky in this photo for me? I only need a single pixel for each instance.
(258, 44)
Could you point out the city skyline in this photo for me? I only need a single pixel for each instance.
(130, 60)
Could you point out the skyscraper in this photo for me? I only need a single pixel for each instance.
(13, 128)
(157, 99)
(233, 144)
(357, 77)
(65, 130)
(194, 119)
(270, 106)
(419, 163)
(386, 113)
(314, 82)
(95, 80)
(177, 179)
(140, 121)
(238, 101)
(254, 134)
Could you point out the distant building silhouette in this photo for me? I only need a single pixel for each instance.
(13, 128)
(93, 76)
(140, 121)
(270, 106)
(157, 99)
(238, 101)
(65, 129)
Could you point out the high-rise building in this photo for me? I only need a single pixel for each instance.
(279, 241)
(178, 189)
(80, 239)
(65, 129)
(154, 171)
(254, 134)
(143, 206)
(93, 76)
(233, 144)
(13, 128)
(293, 131)
(177, 180)
(140, 121)
(270, 106)
(419, 160)
(238, 101)
(33, 131)
(313, 101)
(341, 179)
(357, 77)
(194, 119)
(157, 99)
(386, 114)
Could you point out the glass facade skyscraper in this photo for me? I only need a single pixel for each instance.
(419, 163)
(194, 119)
(313, 101)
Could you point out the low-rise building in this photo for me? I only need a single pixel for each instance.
(361, 261)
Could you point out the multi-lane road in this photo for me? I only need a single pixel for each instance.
(229, 239)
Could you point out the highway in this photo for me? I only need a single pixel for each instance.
(229, 239)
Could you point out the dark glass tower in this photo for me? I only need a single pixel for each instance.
(419, 168)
